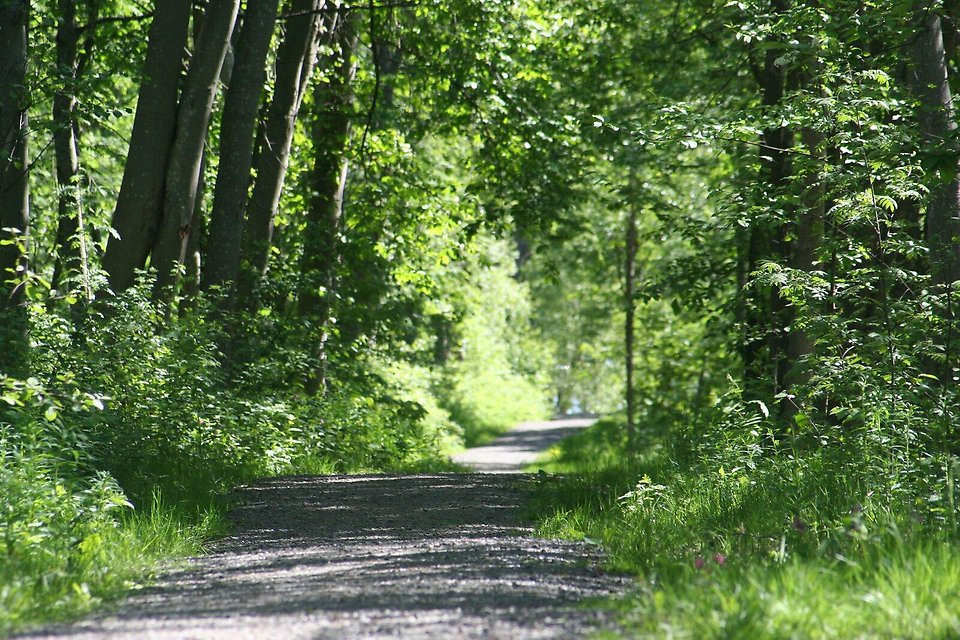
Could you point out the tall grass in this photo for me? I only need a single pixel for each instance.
(60, 584)
(808, 545)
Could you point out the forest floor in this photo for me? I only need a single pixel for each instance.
(379, 556)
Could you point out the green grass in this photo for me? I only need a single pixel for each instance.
(104, 565)
(788, 546)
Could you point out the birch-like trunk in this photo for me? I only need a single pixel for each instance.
(937, 124)
(71, 250)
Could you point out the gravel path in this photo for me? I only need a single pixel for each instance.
(521, 446)
(424, 556)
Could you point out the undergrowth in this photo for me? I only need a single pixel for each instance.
(743, 542)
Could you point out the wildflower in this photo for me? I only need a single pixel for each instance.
(699, 563)
(719, 558)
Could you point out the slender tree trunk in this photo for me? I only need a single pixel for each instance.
(14, 190)
(937, 123)
(193, 119)
(333, 104)
(139, 204)
(237, 131)
(193, 257)
(71, 254)
(808, 234)
(629, 275)
(295, 60)
(764, 315)
(930, 81)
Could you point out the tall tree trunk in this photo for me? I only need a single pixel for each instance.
(295, 60)
(139, 204)
(237, 131)
(14, 191)
(71, 253)
(808, 234)
(930, 81)
(629, 276)
(764, 316)
(937, 123)
(193, 257)
(193, 119)
(333, 104)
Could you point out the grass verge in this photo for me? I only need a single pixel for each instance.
(103, 565)
(806, 545)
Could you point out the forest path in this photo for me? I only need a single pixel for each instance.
(521, 446)
(380, 556)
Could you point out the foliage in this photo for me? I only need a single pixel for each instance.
(458, 253)
(492, 382)
(64, 549)
(726, 538)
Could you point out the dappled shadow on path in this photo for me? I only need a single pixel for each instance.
(428, 556)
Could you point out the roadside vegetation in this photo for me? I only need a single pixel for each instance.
(729, 539)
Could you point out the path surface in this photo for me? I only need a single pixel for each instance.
(426, 556)
(521, 446)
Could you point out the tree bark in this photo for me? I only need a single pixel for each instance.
(237, 131)
(14, 190)
(193, 119)
(937, 124)
(333, 103)
(71, 254)
(139, 204)
(295, 60)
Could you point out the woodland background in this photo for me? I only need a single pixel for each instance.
(251, 238)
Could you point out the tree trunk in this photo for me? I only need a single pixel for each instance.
(237, 131)
(194, 251)
(295, 60)
(71, 253)
(333, 103)
(937, 123)
(765, 322)
(808, 234)
(14, 191)
(139, 204)
(629, 275)
(193, 119)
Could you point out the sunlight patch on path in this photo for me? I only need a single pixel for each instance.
(521, 446)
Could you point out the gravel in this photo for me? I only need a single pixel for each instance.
(376, 556)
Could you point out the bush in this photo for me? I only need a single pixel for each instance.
(56, 510)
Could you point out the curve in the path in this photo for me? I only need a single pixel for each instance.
(521, 446)
(428, 556)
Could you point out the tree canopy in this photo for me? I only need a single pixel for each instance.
(246, 238)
